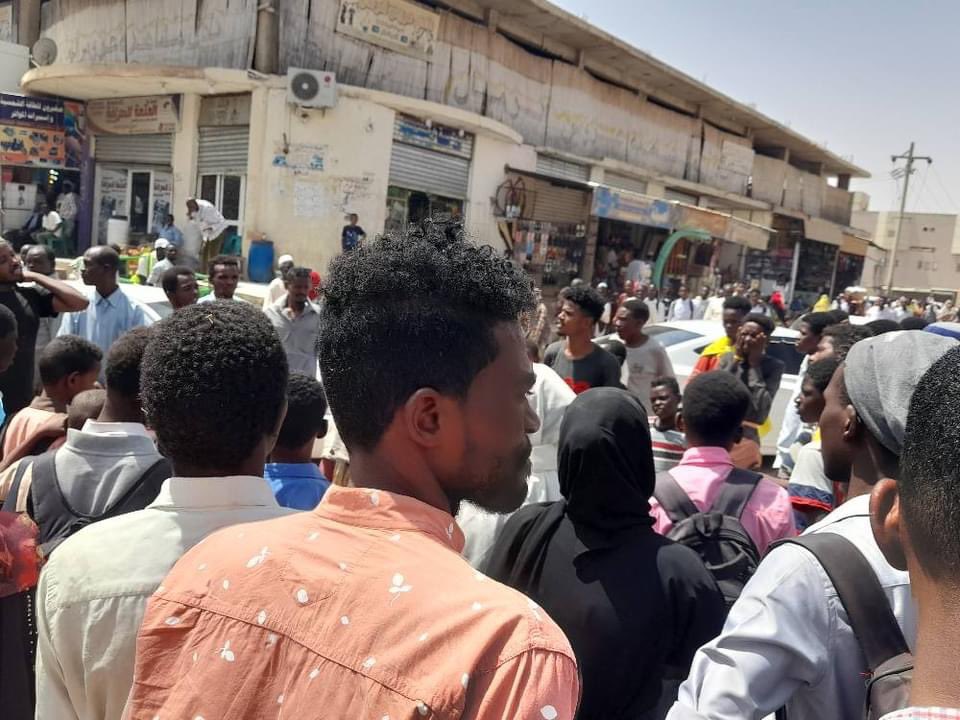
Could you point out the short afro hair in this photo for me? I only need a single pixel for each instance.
(8, 322)
(67, 354)
(637, 308)
(213, 383)
(306, 407)
(818, 321)
(429, 295)
(169, 281)
(714, 407)
(912, 322)
(225, 260)
(123, 362)
(667, 382)
(297, 273)
(930, 470)
(844, 336)
(587, 299)
(839, 316)
(882, 327)
(765, 323)
(821, 372)
(738, 303)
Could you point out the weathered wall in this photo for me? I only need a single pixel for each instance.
(486, 174)
(300, 197)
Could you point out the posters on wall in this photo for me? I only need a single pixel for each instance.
(19, 196)
(162, 199)
(134, 116)
(394, 24)
(113, 198)
(31, 146)
(302, 159)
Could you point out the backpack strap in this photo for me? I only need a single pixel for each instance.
(736, 493)
(49, 508)
(861, 594)
(144, 490)
(672, 498)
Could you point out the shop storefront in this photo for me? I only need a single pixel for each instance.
(545, 225)
(42, 148)
(850, 262)
(133, 150)
(773, 268)
(817, 262)
(429, 171)
(224, 142)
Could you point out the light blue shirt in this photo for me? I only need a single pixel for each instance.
(105, 319)
(173, 234)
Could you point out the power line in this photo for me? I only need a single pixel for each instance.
(908, 171)
(954, 204)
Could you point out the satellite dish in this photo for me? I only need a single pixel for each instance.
(43, 52)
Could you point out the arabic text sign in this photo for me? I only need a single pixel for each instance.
(394, 24)
(134, 116)
(31, 111)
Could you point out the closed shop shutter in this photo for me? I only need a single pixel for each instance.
(135, 149)
(559, 204)
(223, 150)
(555, 167)
(625, 182)
(431, 172)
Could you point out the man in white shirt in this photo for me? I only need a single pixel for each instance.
(682, 308)
(787, 640)
(213, 228)
(214, 389)
(276, 288)
(224, 276)
(646, 358)
(714, 309)
(549, 398)
(700, 303)
(881, 311)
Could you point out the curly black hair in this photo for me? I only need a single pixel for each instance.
(124, 359)
(765, 323)
(930, 470)
(410, 310)
(714, 406)
(306, 406)
(844, 336)
(585, 298)
(213, 383)
(65, 355)
(169, 279)
(738, 303)
(821, 372)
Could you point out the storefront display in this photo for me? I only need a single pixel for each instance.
(815, 271)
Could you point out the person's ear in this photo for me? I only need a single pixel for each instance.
(852, 424)
(885, 522)
(680, 424)
(424, 414)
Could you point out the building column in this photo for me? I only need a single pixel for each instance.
(185, 143)
(256, 192)
(28, 22)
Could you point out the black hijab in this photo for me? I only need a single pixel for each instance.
(606, 477)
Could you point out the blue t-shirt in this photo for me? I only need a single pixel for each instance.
(296, 485)
(351, 236)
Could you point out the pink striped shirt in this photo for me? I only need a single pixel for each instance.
(701, 473)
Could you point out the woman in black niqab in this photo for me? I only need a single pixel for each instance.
(634, 605)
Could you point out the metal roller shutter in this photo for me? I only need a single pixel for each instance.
(135, 149)
(431, 172)
(555, 167)
(223, 150)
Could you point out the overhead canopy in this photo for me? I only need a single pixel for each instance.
(823, 231)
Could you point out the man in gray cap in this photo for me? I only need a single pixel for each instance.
(788, 640)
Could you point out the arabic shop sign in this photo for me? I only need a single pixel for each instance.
(134, 116)
(31, 112)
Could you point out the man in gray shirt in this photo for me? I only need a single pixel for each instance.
(297, 322)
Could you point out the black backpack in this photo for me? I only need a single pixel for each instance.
(889, 672)
(716, 535)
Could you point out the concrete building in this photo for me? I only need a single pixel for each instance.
(928, 253)
(552, 139)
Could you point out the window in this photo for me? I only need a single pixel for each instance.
(226, 194)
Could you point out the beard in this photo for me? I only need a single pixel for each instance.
(504, 487)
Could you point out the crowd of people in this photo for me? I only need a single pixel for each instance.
(575, 538)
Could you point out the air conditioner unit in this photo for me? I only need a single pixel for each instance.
(311, 88)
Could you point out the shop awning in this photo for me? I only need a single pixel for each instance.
(853, 245)
(823, 231)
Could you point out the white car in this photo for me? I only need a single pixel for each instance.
(684, 340)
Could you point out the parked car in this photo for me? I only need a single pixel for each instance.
(684, 340)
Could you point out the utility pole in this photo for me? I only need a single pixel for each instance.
(892, 256)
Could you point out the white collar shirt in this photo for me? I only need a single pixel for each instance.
(94, 590)
(787, 640)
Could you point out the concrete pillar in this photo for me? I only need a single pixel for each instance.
(266, 54)
(185, 143)
(28, 22)
(256, 191)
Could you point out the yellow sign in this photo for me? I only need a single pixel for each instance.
(31, 146)
(394, 24)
